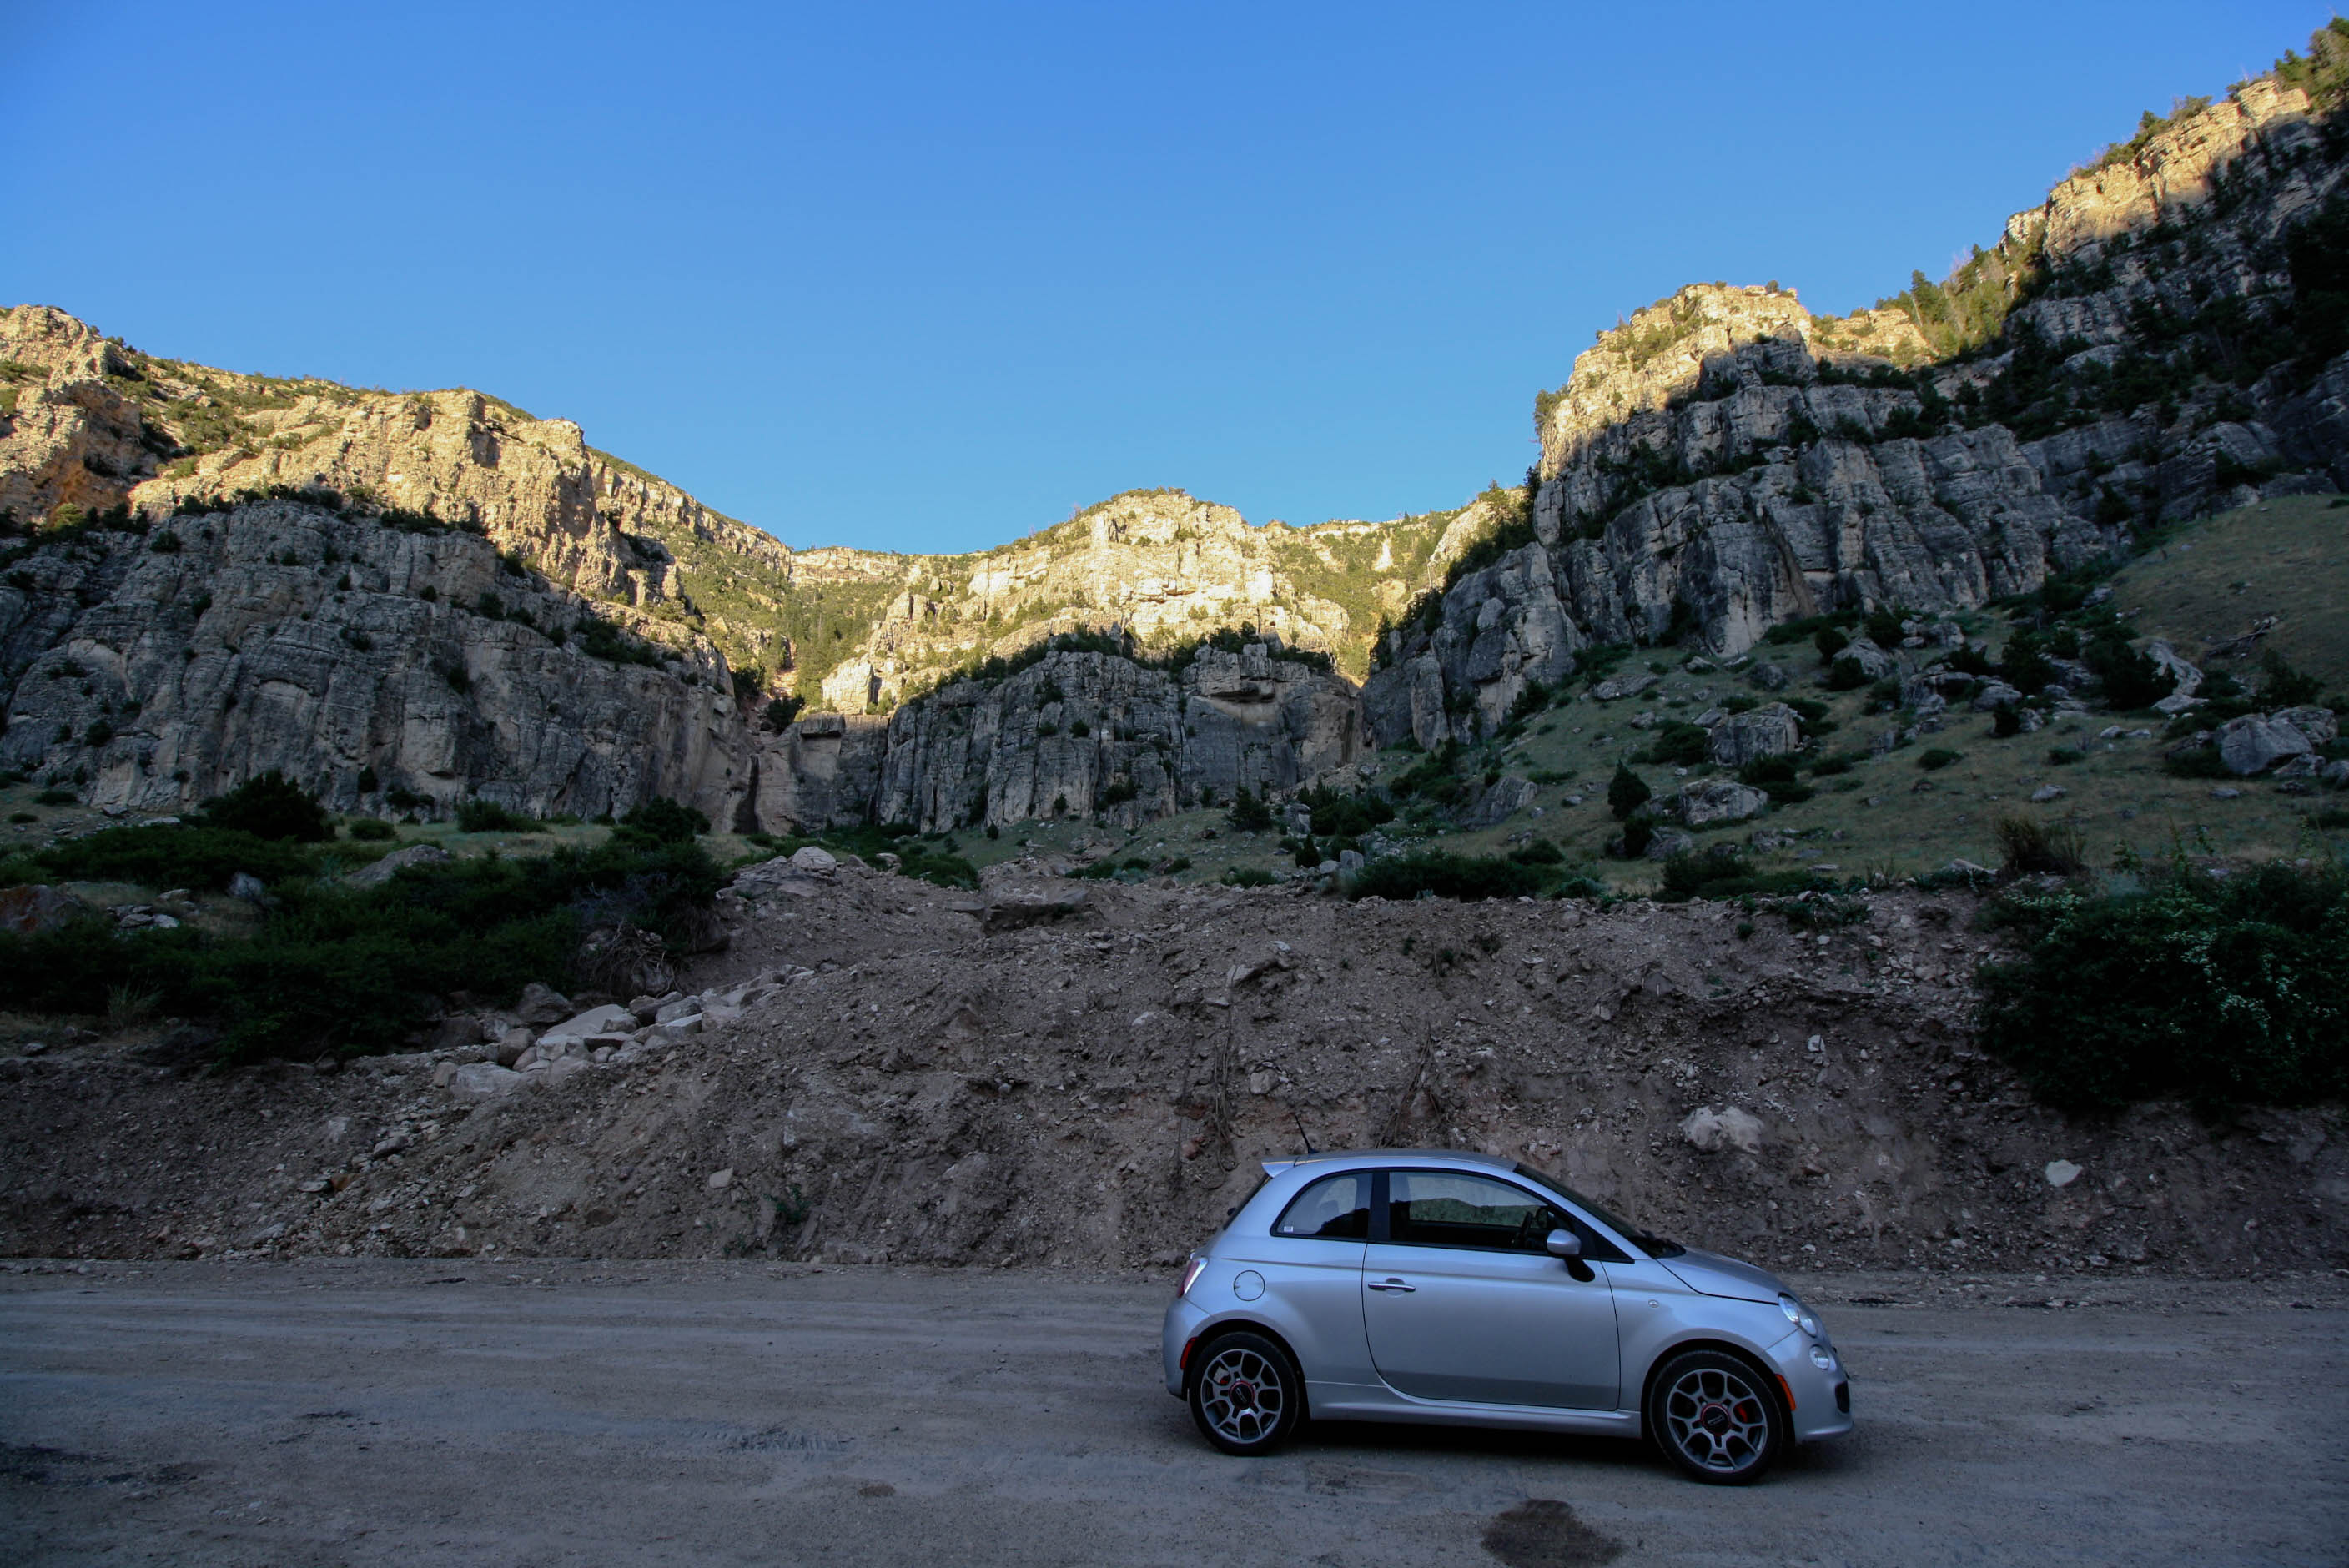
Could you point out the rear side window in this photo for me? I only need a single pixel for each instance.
(1335, 1208)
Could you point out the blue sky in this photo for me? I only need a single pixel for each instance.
(925, 277)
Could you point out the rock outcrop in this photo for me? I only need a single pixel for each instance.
(1075, 734)
(371, 665)
(1725, 460)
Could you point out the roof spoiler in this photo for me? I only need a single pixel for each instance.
(1274, 1167)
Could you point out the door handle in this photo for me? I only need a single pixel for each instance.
(1394, 1284)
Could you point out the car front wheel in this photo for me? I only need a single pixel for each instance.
(1716, 1418)
(1247, 1395)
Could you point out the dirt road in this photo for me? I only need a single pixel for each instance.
(436, 1412)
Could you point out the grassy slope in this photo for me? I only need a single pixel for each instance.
(2287, 558)
(2291, 552)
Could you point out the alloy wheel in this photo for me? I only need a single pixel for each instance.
(1717, 1418)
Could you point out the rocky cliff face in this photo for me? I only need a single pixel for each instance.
(1725, 460)
(1075, 734)
(367, 663)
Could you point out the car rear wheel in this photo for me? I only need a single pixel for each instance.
(1716, 1418)
(1247, 1395)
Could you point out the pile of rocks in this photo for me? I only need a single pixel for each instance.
(509, 1054)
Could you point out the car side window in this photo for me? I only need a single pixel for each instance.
(1335, 1208)
(1452, 1209)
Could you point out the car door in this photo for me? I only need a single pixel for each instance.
(1461, 1300)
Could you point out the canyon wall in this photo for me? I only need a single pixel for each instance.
(152, 669)
(1725, 460)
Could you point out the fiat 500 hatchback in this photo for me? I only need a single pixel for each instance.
(1437, 1287)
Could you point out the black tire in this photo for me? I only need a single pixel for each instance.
(1718, 1418)
(1247, 1394)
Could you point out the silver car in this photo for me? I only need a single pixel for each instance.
(1437, 1287)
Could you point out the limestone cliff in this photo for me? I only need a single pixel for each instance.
(386, 669)
(1075, 734)
(2131, 351)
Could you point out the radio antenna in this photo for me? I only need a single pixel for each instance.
(1301, 1134)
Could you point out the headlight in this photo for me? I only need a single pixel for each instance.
(1822, 1359)
(1190, 1276)
(1799, 1316)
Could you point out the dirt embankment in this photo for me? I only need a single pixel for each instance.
(1097, 1089)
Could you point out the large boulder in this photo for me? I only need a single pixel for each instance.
(2257, 742)
(1616, 687)
(2316, 723)
(477, 1081)
(1717, 801)
(1874, 663)
(1772, 730)
(38, 907)
(1933, 688)
(542, 1005)
(2187, 679)
(1995, 694)
(1502, 799)
(1710, 1132)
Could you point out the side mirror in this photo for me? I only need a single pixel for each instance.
(1563, 1244)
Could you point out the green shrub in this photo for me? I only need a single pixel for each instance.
(941, 865)
(1847, 674)
(661, 821)
(185, 854)
(2217, 991)
(372, 829)
(2029, 847)
(56, 798)
(2200, 762)
(2065, 756)
(1676, 745)
(1638, 832)
(1249, 876)
(2005, 721)
(1775, 774)
(1446, 875)
(336, 968)
(2285, 686)
(479, 815)
(1813, 713)
(1540, 852)
(1250, 814)
(1626, 792)
(1349, 815)
(1936, 757)
(1722, 870)
(1831, 641)
(270, 807)
(2130, 679)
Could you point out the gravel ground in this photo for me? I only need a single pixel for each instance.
(368, 1410)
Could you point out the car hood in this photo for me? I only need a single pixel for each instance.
(1709, 1273)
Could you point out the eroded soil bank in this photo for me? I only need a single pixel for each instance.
(921, 1085)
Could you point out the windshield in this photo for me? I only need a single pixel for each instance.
(1647, 1241)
